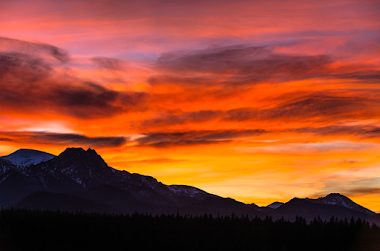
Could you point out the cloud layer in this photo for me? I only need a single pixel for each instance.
(31, 84)
(258, 98)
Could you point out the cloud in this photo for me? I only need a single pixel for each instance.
(22, 67)
(345, 161)
(30, 84)
(9, 45)
(361, 131)
(77, 139)
(146, 161)
(248, 64)
(352, 188)
(195, 137)
(89, 100)
(5, 139)
(183, 118)
(66, 139)
(369, 75)
(108, 63)
(244, 62)
(317, 106)
(311, 147)
(363, 191)
(314, 106)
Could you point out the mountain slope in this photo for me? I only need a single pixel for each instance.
(5, 166)
(13, 187)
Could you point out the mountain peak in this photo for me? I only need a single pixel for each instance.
(92, 151)
(337, 199)
(335, 195)
(84, 158)
(73, 150)
(27, 157)
(79, 151)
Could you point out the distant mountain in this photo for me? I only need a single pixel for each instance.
(333, 205)
(26, 157)
(337, 199)
(80, 180)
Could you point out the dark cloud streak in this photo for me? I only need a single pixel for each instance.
(359, 187)
(322, 106)
(108, 63)
(247, 65)
(316, 106)
(191, 117)
(195, 137)
(6, 139)
(77, 139)
(65, 139)
(361, 131)
(254, 63)
(362, 191)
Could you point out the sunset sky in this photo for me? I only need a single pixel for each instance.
(256, 100)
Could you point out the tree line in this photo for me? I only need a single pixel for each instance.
(47, 230)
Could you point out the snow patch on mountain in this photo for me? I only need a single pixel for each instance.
(185, 190)
(275, 205)
(146, 180)
(26, 157)
(80, 182)
(4, 178)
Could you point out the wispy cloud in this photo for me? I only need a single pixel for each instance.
(312, 147)
(65, 139)
(15, 45)
(244, 64)
(109, 63)
(195, 137)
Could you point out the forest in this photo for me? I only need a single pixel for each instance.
(47, 230)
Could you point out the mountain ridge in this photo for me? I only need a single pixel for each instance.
(83, 177)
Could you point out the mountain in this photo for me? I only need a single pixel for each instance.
(80, 180)
(26, 157)
(337, 199)
(333, 205)
(81, 177)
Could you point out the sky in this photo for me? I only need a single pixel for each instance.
(260, 101)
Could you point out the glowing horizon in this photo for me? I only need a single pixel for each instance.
(258, 101)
